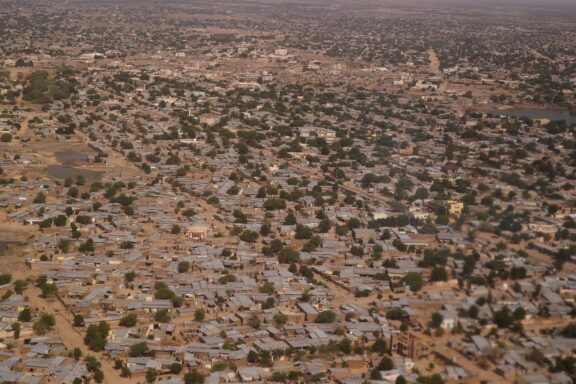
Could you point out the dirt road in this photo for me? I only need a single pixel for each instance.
(68, 334)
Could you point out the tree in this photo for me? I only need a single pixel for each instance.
(87, 246)
(162, 316)
(40, 198)
(519, 314)
(78, 320)
(303, 232)
(16, 329)
(288, 255)
(193, 377)
(49, 290)
(25, 315)
(139, 350)
(125, 372)
(44, 324)
(228, 278)
(375, 374)
(473, 311)
(386, 364)
(503, 318)
(274, 203)
(252, 357)
(265, 229)
(6, 138)
(151, 375)
(432, 379)
(268, 288)
(96, 335)
(77, 353)
(183, 267)
(249, 236)
(175, 229)
(175, 368)
(269, 303)
(73, 192)
(400, 380)
(98, 376)
(290, 219)
(92, 364)
(5, 278)
(517, 273)
(437, 320)
(414, 281)
(346, 346)
(129, 276)
(280, 319)
(327, 316)
(60, 221)
(324, 225)
(380, 346)
(254, 321)
(64, 245)
(199, 314)
(129, 320)
(438, 274)
(19, 286)
(570, 331)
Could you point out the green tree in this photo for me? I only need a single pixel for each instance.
(16, 329)
(375, 374)
(503, 318)
(151, 375)
(25, 315)
(78, 320)
(280, 319)
(96, 335)
(193, 377)
(183, 267)
(129, 320)
(139, 350)
(5, 278)
(199, 314)
(98, 376)
(175, 368)
(327, 316)
(437, 320)
(87, 246)
(414, 281)
(64, 245)
(162, 316)
(44, 323)
(400, 380)
(40, 198)
(288, 255)
(386, 364)
(129, 276)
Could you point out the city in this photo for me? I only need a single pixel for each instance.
(348, 192)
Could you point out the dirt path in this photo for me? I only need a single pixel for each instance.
(434, 62)
(470, 366)
(343, 296)
(69, 335)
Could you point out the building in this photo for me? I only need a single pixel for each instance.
(406, 344)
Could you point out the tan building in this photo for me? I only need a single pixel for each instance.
(455, 208)
(406, 344)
